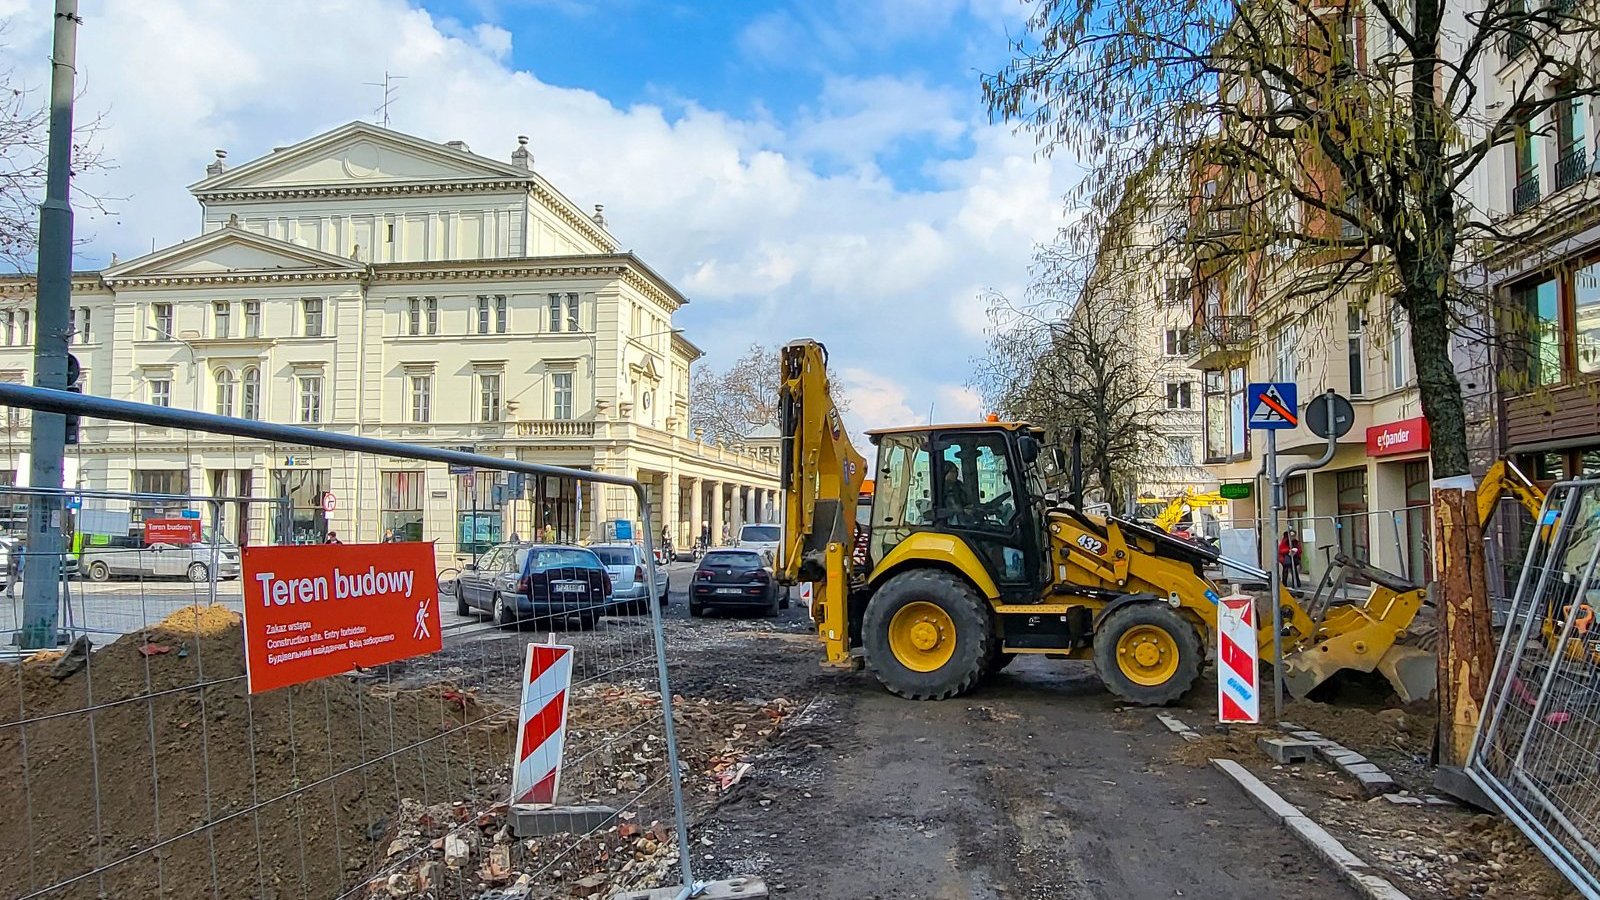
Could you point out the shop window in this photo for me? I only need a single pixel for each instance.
(1418, 521)
(1351, 486)
(477, 521)
(403, 496)
(307, 523)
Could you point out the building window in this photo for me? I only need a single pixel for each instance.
(224, 392)
(1180, 395)
(483, 314)
(430, 309)
(167, 482)
(564, 312)
(1285, 361)
(1399, 349)
(502, 313)
(413, 316)
(1586, 316)
(1572, 158)
(161, 320)
(489, 397)
(311, 399)
(1178, 292)
(403, 496)
(422, 315)
(561, 395)
(160, 392)
(1356, 341)
(221, 319)
(19, 332)
(311, 316)
(1177, 343)
(80, 325)
(1181, 451)
(1541, 304)
(250, 394)
(1240, 434)
(421, 398)
(252, 318)
(1525, 185)
(478, 522)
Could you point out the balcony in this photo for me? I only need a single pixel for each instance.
(1572, 167)
(1525, 194)
(555, 428)
(1217, 340)
(1518, 42)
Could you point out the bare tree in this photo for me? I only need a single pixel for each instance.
(1072, 357)
(731, 404)
(24, 150)
(1342, 140)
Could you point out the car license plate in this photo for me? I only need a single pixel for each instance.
(728, 590)
(570, 587)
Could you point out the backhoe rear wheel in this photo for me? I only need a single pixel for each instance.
(928, 635)
(1147, 654)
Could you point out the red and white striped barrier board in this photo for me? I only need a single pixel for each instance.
(805, 594)
(542, 725)
(1238, 662)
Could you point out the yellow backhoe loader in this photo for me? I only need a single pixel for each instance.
(969, 561)
(961, 558)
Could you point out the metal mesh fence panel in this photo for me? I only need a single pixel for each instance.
(141, 764)
(1537, 750)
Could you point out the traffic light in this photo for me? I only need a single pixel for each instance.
(72, 419)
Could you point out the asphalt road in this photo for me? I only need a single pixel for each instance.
(1036, 786)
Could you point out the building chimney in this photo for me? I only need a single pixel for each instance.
(216, 167)
(520, 157)
(600, 214)
(458, 146)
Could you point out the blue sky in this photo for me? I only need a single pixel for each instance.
(819, 168)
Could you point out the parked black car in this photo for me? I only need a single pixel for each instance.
(535, 583)
(736, 579)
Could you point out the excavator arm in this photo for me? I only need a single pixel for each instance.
(1505, 479)
(821, 473)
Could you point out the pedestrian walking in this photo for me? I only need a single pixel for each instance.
(1289, 559)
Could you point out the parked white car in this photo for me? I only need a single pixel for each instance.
(763, 539)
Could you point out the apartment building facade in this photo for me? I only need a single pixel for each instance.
(1543, 191)
(368, 282)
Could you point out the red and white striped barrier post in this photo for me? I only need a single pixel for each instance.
(1238, 662)
(542, 724)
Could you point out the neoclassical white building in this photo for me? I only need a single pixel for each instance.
(369, 282)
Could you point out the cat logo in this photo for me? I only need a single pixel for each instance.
(834, 427)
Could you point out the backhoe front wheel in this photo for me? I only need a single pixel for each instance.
(928, 635)
(1147, 654)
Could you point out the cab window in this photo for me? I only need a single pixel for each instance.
(903, 490)
(975, 484)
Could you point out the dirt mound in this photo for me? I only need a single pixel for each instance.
(152, 767)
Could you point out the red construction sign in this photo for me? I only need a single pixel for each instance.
(171, 531)
(323, 609)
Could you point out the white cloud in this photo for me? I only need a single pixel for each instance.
(746, 214)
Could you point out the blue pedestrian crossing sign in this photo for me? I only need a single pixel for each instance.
(1272, 405)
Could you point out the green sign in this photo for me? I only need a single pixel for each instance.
(1236, 491)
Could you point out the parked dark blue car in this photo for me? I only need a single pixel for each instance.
(535, 583)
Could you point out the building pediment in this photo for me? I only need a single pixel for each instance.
(232, 253)
(359, 155)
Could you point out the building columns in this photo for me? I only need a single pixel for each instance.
(717, 504)
(696, 508)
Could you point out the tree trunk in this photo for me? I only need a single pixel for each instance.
(1465, 647)
(1466, 641)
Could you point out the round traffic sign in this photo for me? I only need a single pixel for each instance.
(1330, 412)
(329, 501)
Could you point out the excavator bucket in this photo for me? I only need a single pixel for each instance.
(1414, 673)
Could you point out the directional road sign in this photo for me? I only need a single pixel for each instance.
(1272, 405)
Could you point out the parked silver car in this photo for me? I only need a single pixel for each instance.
(628, 564)
(124, 558)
